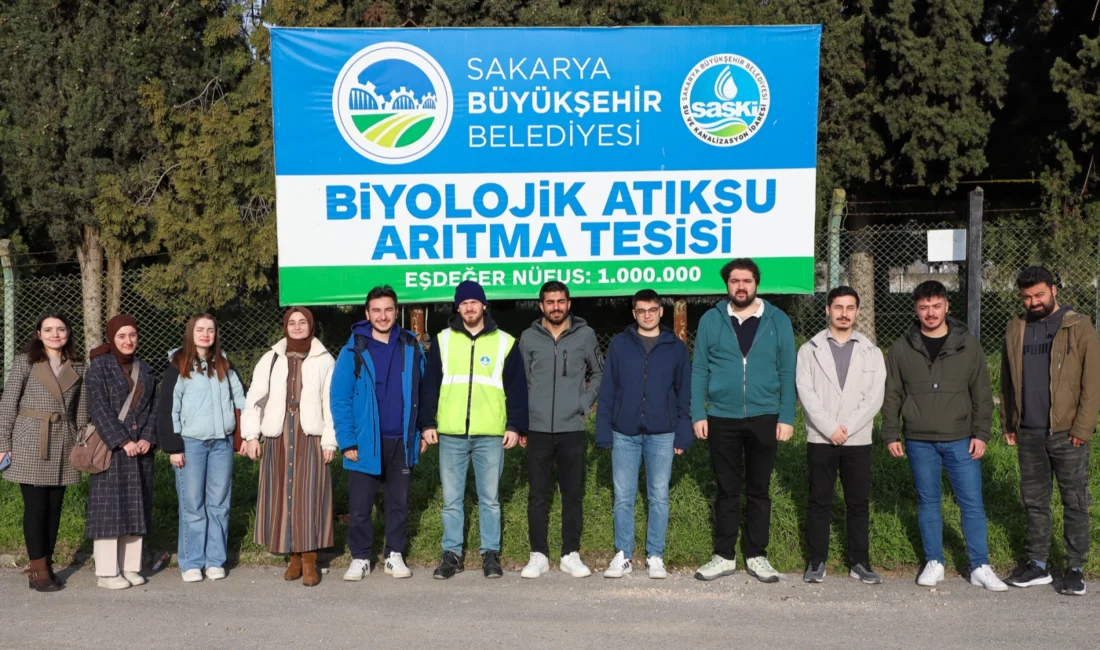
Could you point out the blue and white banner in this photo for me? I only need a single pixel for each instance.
(610, 159)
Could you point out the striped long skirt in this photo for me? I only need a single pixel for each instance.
(294, 505)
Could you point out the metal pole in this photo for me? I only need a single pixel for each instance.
(9, 305)
(974, 263)
(836, 215)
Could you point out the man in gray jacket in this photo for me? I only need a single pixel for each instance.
(841, 379)
(563, 364)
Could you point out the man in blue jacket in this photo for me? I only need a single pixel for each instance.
(374, 400)
(742, 403)
(643, 414)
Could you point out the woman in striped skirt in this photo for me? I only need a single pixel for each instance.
(288, 408)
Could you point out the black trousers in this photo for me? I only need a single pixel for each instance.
(41, 518)
(742, 453)
(362, 491)
(567, 451)
(854, 464)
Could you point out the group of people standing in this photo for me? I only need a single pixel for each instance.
(478, 392)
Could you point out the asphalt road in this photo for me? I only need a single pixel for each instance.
(255, 608)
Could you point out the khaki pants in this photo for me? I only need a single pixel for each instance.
(112, 552)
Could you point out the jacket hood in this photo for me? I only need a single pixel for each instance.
(575, 323)
(173, 351)
(957, 333)
(456, 323)
(316, 348)
(1070, 318)
(821, 339)
(666, 334)
(769, 309)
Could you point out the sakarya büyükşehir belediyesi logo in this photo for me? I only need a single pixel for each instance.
(724, 100)
(392, 102)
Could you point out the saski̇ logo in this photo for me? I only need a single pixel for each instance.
(724, 100)
(392, 103)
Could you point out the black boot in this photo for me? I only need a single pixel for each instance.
(490, 564)
(450, 565)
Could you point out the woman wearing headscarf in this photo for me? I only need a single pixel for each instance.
(120, 500)
(43, 406)
(288, 409)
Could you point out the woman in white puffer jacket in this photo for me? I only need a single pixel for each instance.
(287, 422)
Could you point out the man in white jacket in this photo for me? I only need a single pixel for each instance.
(841, 379)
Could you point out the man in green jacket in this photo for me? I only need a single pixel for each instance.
(938, 383)
(742, 403)
(1050, 396)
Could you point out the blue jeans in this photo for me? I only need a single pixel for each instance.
(627, 453)
(203, 485)
(455, 454)
(928, 460)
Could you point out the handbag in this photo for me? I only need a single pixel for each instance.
(90, 454)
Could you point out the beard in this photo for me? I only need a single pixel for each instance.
(741, 304)
(1041, 310)
(555, 317)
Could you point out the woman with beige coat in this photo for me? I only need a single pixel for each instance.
(287, 408)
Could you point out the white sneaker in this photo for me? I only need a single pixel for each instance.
(395, 566)
(134, 578)
(215, 573)
(192, 575)
(716, 568)
(983, 576)
(357, 571)
(573, 565)
(620, 566)
(656, 568)
(114, 583)
(932, 574)
(538, 565)
(759, 568)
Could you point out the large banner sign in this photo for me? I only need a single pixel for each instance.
(609, 159)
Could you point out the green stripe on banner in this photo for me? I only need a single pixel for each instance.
(345, 285)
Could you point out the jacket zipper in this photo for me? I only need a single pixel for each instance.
(645, 381)
(745, 368)
(554, 388)
(470, 390)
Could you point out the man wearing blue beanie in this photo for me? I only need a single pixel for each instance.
(474, 403)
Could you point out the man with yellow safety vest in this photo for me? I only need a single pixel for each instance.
(474, 402)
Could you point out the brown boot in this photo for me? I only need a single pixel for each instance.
(40, 578)
(49, 571)
(294, 569)
(310, 575)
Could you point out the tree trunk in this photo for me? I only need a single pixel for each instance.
(90, 256)
(114, 287)
(861, 275)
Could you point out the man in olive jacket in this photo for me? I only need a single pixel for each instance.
(937, 381)
(1050, 396)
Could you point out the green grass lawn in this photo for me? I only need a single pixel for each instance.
(895, 539)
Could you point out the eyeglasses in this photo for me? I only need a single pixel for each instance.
(652, 311)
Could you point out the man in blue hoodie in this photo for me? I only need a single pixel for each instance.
(742, 403)
(374, 400)
(643, 414)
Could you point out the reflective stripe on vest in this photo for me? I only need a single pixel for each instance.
(471, 397)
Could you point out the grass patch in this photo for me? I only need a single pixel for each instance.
(894, 535)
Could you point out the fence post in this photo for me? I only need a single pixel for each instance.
(417, 323)
(680, 319)
(836, 215)
(974, 263)
(9, 305)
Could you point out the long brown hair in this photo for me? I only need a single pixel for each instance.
(187, 357)
(36, 349)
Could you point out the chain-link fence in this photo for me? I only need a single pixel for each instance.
(883, 262)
